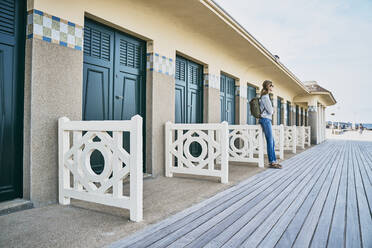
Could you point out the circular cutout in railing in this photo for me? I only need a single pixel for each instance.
(104, 163)
(195, 149)
(239, 143)
(97, 162)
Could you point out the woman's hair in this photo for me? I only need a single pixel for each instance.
(265, 87)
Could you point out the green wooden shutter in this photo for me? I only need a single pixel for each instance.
(8, 17)
(98, 71)
(297, 116)
(288, 113)
(181, 92)
(279, 111)
(189, 91)
(227, 98)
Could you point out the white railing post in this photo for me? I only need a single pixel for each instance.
(136, 170)
(294, 139)
(281, 141)
(76, 138)
(64, 173)
(168, 154)
(261, 158)
(224, 152)
(302, 137)
(117, 187)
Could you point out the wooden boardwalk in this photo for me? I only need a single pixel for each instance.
(321, 198)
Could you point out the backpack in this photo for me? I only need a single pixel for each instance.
(254, 105)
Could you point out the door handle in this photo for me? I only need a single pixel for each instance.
(119, 97)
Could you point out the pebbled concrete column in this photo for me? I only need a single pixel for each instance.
(313, 123)
(212, 108)
(284, 112)
(53, 89)
(160, 108)
(293, 114)
(240, 104)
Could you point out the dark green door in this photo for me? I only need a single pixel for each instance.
(251, 93)
(297, 116)
(114, 78)
(227, 99)
(12, 44)
(189, 91)
(189, 96)
(302, 116)
(279, 112)
(288, 113)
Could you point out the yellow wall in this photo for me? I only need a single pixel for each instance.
(176, 27)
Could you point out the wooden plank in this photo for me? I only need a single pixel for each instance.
(302, 204)
(321, 233)
(365, 218)
(208, 205)
(187, 233)
(290, 234)
(309, 224)
(367, 150)
(288, 208)
(231, 230)
(192, 226)
(317, 165)
(336, 234)
(367, 160)
(363, 168)
(352, 235)
(219, 223)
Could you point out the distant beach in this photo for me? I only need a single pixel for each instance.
(351, 135)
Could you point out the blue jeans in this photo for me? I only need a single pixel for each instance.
(267, 129)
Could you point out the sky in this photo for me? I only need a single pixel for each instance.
(322, 40)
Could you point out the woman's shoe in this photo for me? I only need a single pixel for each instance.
(275, 166)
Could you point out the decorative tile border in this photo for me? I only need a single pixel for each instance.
(161, 64)
(212, 81)
(312, 109)
(53, 29)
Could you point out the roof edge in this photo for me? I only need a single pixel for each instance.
(226, 17)
(325, 93)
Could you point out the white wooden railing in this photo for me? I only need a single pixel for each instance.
(307, 135)
(301, 137)
(290, 138)
(246, 144)
(278, 134)
(213, 141)
(106, 187)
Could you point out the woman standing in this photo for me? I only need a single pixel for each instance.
(267, 111)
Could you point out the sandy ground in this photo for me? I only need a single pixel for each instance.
(85, 224)
(350, 135)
